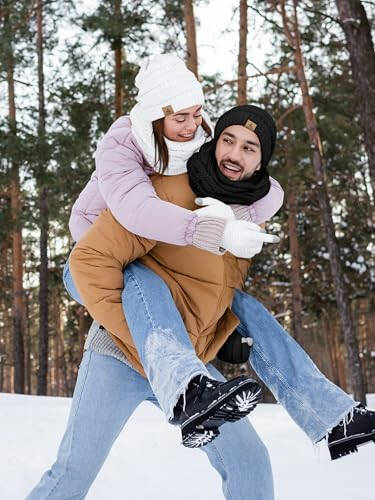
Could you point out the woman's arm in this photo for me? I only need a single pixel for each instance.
(130, 195)
(96, 264)
(263, 209)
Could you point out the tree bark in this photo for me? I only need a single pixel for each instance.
(27, 345)
(242, 55)
(291, 29)
(63, 389)
(117, 47)
(17, 258)
(359, 42)
(191, 38)
(43, 214)
(295, 267)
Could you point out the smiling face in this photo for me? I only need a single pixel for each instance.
(181, 126)
(238, 153)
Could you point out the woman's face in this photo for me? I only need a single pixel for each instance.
(182, 126)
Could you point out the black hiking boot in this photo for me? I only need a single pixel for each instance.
(208, 404)
(351, 432)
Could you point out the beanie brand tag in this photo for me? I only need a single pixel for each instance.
(250, 125)
(167, 110)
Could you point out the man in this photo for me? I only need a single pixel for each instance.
(230, 168)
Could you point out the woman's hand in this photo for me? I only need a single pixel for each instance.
(214, 208)
(245, 239)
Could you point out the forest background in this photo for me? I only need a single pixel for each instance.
(67, 71)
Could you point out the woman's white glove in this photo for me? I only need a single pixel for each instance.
(245, 239)
(241, 238)
(214, 208)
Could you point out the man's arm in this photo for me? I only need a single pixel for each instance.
(96, 264)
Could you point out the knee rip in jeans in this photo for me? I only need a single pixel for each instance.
(163, 350)
(166, 359)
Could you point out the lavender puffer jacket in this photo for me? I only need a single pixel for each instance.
(121, 183)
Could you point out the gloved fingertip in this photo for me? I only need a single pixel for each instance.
(199, 201)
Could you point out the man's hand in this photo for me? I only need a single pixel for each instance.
(214, 208)
(245, 239)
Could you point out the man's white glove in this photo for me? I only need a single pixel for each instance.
(214, 208)
(245, 239)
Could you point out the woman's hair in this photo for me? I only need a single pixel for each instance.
(161, 148)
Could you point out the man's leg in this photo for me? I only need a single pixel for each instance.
(241, 459)
(106, 394)
(314, 403)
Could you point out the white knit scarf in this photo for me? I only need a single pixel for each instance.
(179, 152)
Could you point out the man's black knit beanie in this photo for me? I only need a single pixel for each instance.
(256, 119)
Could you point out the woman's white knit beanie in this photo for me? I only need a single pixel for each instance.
(165, 86)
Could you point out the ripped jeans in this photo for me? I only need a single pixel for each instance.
(169, 360)
(105, 397)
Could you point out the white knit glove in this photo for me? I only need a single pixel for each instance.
(245, 239)
(214, 208)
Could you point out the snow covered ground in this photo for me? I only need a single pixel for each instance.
(147, 461)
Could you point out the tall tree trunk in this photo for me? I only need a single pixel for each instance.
(4, 315)
(359, 42)
(7, 319)
(291, 28)
(242, 55)
(296, 267)
(191, 38)
(17, 258)
(117, 47)
(43, 211)
(62, 371)
(27, 344)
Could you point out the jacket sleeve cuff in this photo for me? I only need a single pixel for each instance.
(242, 212)
(208, 234)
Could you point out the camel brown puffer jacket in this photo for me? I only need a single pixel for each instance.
(202, 283)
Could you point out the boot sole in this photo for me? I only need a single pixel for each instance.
(230, 407)
(348, 445)
(199, 437)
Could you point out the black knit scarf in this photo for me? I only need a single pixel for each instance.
(206, 179)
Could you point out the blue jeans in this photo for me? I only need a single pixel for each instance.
(169, 360)
(161, 355)
(106, 394)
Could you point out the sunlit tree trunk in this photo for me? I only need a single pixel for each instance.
(191, 39)
(16, 208)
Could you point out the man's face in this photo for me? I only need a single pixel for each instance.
(238, 153)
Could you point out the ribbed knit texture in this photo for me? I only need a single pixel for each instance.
(100, 341)
(208, 234)
(242, 212)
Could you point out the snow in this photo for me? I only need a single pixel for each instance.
(147, 461)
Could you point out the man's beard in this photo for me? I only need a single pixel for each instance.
(244, 176)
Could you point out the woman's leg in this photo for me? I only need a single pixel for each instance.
(314, 403)
(69, 283)
(160, 336)
(170, 361)
(240, 458)
(106, 394)
(167, 354)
